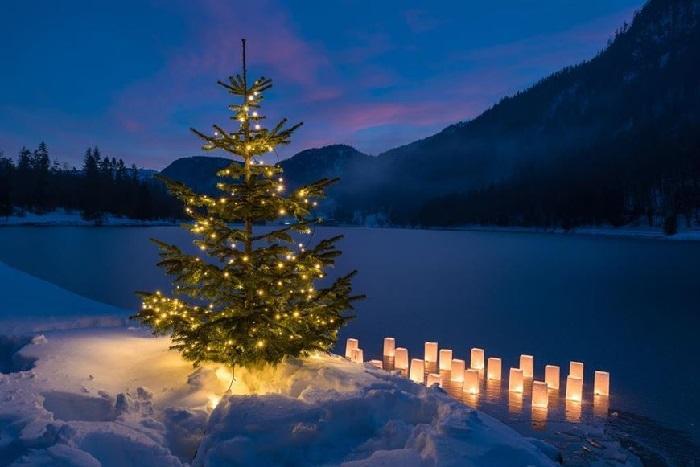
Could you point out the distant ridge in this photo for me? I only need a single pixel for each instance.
(612, 140)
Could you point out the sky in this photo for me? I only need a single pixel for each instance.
(133, 76)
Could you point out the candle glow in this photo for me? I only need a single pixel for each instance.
(457, 370)
(431, 352)
(389, 347)
(350, 345)
(434, 378)
(477, 359)
(574, 388)
(527, 364)
(494, 369)
(357, 356)
(601, 384)
(401, 358)
(576, 369)
(551, 376)
(515, 380)
(445, 359)
(471, 381)
(417, 373)
(539, 394)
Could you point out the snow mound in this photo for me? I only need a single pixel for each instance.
(35, 305)
(119, 397)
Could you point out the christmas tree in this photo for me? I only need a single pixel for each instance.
(251, 295)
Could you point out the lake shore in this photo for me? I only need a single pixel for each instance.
(61, 218)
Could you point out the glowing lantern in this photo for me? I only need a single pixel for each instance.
(551, 376)
(457, 370)
(401, 358)
(445, 359)
(350, 345)
(434, 378)
(539, 394)
(576, 369)
(471, 381)
(515, 380)
(601, 386)
(389, 346)
(357, 356)
(574, 388)
(431, 352)
(417, 373)
(376, 363)
(477, 359)
(494, 369)
(527, 364)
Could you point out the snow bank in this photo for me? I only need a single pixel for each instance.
(120, 397)
(69, 218)
(32, 305)
(628, 231)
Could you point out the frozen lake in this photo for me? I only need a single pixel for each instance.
(623, 305)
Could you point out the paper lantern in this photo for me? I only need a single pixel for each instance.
(417, 373)
(434, 378)
(350, 345)
(401, 358)
(539, 394)
(471, 381)
(457, 370)
(494, 369)
(515, 380)
(576, 369)
(551, 376)
(477, 359)
(527, 364)
(574, 388)
(431, 352)
(601, 386)
(357, 356)
(445, 359)
(376, 363)
(389, 346)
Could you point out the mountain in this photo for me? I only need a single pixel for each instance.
(599, 139)
(612, 140)
(305, 167)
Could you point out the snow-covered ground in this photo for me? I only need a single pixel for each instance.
(601, 231)
(68, 218)
(61, 217)
(115, 396)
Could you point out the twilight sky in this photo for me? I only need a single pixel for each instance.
(132, 76)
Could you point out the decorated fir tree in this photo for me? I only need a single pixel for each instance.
(252, 294)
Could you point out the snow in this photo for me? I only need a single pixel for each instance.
(120, 397)
(641, 232)
(117, 396)
(31, 304)
(61, 217)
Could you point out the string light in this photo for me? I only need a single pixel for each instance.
(278, 286)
